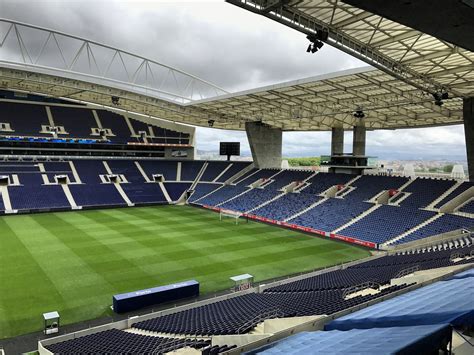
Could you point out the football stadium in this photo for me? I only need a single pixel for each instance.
(116, 238)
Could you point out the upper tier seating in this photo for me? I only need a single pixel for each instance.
(214, 169)
(468, 207)
(24, 119)
(457, 191)
(117, 124)
(425, 191)
(368, 186)
(323, 181)
(76, 121)
(234, 169)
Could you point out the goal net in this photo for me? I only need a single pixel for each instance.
(223, 213)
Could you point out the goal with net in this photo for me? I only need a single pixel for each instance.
(223, 213)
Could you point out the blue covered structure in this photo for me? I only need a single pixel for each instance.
(397, 340)
(449, 301)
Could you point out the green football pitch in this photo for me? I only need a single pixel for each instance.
(73, 262)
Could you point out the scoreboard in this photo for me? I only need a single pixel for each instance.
(229, 148)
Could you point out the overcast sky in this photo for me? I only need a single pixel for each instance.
(231, 48)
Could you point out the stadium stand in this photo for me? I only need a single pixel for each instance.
(24, 119)
(468, 207)
(386, 223)
(190, 170)
(78, 122)
(201, 190)
(116, 341)
(234, 169)
(457, 191)
(445, 223)
(176, 189)
(444, 302)
(424, 191)
(331, 214)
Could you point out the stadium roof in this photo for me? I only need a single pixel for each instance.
(422, 60)
(325, 101)
(410, 68)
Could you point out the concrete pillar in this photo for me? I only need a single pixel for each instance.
(358, 142)
(468, 115)
(337, 141)
(265, 143)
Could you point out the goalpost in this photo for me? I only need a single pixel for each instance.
(231, 214)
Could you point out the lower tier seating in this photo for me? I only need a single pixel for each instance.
(116, 341)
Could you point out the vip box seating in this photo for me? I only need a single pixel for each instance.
(424, 191)
(257, 196)
(445, 223)
(385, 223)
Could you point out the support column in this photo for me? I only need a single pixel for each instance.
(337, 141)
(358, 142)
(265, 143)
(468, 115)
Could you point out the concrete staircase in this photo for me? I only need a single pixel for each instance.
(358, 218)
(6, 200)
(414, 229)
(70, 198)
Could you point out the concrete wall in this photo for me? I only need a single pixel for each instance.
(358, 143)
(337, 141)
(265, 143)
(468, 114)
